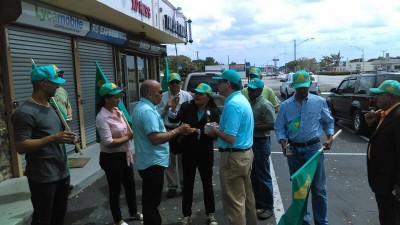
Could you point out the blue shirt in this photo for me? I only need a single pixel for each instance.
(237, 120)
(147, 120)
(303, 122)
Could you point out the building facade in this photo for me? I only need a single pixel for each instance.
(126, 38)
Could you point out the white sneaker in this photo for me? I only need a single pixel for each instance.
(211, 219)
(186, 220)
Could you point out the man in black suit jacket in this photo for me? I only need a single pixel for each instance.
(383, 159)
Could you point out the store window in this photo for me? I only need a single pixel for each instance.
(132, 81)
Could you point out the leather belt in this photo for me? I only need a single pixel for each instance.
(233, 149)
(304, 144)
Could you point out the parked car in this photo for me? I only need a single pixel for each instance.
(193, 79)
(287, 89)
(352, 98)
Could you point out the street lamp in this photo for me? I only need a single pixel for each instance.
(297, 44)
(277, 59)
(362, 50)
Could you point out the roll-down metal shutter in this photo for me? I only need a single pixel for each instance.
(89, 52)
(44, 48)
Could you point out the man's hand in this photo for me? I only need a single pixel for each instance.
(173, 103)
(372, 116)
(65, 137)
(184, 129)
(328, 143)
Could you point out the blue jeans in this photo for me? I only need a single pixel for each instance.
(261, 175)
(300, 155)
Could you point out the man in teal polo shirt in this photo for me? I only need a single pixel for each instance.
(235, 138)
(152, 149)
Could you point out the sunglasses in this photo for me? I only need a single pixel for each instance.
(175, 82)
(253, 90)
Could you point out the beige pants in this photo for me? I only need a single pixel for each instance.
(172, 174)
(237, 191)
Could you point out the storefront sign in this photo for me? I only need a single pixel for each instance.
(108, 34)
(175, 26)
(39, 16)
(237, 67)
(141, 8)
(144, 46)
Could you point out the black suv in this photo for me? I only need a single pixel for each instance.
(352, 99)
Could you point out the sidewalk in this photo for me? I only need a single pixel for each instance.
(15, 202)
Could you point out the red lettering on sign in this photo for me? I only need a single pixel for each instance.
(141, 8)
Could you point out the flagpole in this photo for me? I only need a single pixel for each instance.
(334, 137)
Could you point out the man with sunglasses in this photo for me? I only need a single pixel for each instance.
(264, 119)
(235, 138)
(173, 95)
(62, 100)
(383, 160)
(39, 134)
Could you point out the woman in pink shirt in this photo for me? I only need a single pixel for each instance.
(115, 152)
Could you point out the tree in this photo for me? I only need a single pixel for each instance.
(210, 61)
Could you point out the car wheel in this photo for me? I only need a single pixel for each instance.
(280, 90)
(286, 94)
(359, 124)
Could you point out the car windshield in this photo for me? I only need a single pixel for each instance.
(196, 80)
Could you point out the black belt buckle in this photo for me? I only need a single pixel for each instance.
(304, 144)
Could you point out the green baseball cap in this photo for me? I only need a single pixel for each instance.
(203, 88)
(301, 79)
(255, 71)
(174, 76)
(230, 75)
(256, 84)
(109, 89)
(388, 86)
(48, 72)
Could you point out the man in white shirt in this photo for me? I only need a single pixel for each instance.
(174, 93)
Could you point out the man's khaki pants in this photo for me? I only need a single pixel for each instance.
(237, 191)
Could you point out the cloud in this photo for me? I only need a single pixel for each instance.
(259, 30)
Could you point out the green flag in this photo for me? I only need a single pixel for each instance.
(164, 82)
(301, 182)
(100, 80)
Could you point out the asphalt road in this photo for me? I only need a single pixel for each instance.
(350, 200)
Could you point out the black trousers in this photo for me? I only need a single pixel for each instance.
(118, 172)
(203, 161)
(50, 201)
(152, 187)
(389, 209)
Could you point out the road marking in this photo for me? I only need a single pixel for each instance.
(278, 205)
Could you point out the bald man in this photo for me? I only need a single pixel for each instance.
(152, 149)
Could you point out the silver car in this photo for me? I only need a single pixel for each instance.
(287, 89)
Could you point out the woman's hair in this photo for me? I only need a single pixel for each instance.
(100, 103)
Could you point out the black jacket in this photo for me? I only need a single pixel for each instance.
(384, 163)
(188, 114)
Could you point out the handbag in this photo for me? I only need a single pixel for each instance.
(177, 145)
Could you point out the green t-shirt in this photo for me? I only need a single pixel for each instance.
(267, 93)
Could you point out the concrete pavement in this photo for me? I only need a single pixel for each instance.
(15, 203)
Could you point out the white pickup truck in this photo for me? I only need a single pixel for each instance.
(194, 79)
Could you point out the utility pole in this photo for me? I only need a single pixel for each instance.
(197, 52)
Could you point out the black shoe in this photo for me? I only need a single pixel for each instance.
(265, 214)
(171, 193)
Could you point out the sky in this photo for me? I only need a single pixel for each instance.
(257, 31)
